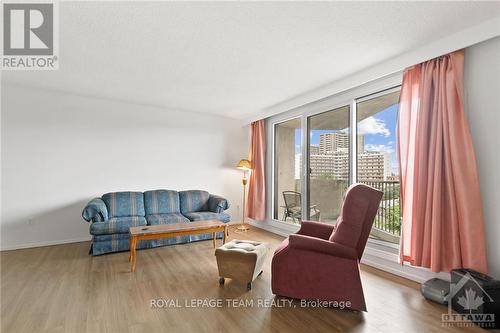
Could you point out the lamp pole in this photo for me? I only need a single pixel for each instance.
(244, 165)
(242, 226)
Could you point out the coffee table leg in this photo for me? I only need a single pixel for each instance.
(130, 249)
(224, 237)
(214, 234)
(133, 252)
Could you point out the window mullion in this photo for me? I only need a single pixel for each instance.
(305, 168)
(354, 142)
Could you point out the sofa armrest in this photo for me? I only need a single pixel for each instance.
(322, 246)
(316, 229)
(217, 204)
(95, 211)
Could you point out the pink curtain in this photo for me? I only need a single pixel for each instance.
(256, 204)
(442, 224)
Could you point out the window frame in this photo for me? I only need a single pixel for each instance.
(348, 97)
(274, 164)
(307, 190)
(355, 126)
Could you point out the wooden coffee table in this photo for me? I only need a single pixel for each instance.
(149, 232)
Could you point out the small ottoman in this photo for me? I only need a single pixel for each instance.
(241, 260)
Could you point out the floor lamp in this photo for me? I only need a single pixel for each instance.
(246, 166)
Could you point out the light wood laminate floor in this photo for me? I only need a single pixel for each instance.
(63, 289)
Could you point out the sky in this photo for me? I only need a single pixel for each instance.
(379, 131)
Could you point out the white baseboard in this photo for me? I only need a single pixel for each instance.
(374, 256)
(416, 274)
(279, 228)
(45, 243)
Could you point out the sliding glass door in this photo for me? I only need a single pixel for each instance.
(377, 163)
(328, 163)
(287, 175)
(318, 155)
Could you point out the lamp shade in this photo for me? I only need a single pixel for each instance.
(244, 165)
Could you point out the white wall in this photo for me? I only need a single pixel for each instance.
(60, 150)
(482, 93)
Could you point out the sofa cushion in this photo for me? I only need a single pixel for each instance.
(217, 204)
(203, 216)
(166, 218)
(116, 225)
(122, 204)
(193, 201)
(161, 202)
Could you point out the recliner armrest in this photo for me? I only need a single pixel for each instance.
(323, 246)
(217, 204)
(95, 211)
(316, 229)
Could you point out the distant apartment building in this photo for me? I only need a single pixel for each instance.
(314, 149)
(333, 142)
(374, 165)
(334, 165)
(330, 159)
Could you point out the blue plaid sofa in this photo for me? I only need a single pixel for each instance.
(112, 215)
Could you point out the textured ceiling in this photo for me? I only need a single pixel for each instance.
(235, 58)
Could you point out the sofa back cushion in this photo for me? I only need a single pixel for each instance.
(161, 202)
(193, 201)
(122, 204)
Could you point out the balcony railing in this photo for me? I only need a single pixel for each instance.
(387, 223)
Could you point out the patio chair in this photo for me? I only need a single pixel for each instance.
(293, 207)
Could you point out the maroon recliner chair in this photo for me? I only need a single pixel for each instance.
(321, 261)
